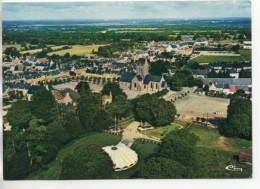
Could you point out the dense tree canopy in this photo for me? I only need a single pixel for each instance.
(19, 115)
(82, 86)
(92, 116)
(161, 168)
(114, 88)
(159, 67)
(183, 79)
(179, 146)
(44, 106)
(156, 111)
(239, 119)
(120, 106)
(87, 162)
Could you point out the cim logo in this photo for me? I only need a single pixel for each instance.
(233, 168)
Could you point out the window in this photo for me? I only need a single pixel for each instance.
(135, 85)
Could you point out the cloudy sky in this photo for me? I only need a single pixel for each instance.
(125, 10)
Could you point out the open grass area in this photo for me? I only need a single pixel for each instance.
(242, 144)
(102, 139)
(18, 47)
(143, 149)
(212, 59)
(77, 50)
(246, 54)
(210, 138)
(163, 130)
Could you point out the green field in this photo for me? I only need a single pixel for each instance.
(77, 50)
(143, 149)
(246, 54)
(210, 138)
(163, 130)
(212, 59)
(242, 144)
(18, 47)
(213, 157)
(102, 139)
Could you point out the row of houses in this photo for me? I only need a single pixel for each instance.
(228, 85)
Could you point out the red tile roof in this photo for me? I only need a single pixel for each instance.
(58, 96)
(232, 88)
(245, 156)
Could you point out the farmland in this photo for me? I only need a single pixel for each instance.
(246, 54)
(213, 59)
(77, 50)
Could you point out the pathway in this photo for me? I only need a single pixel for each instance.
(130, 133)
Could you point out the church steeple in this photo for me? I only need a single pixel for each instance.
(142, 67)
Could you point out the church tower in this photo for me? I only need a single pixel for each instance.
(142, 68)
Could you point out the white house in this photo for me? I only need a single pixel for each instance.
(247, 45)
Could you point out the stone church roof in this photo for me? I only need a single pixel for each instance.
(127, 77)
(154, 78)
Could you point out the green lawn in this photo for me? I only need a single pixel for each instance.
(212, 59)
(102, 139)
(208, 137)
(143, 149)
(246, 53)
(242, 144)
(163, 129)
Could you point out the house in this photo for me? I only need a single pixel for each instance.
(216, 67)
(233, 73)
(247, 45)
(186, 38)
(66, 96)
(32, 90)
(201, 42)
(184, 52)
(165, 58)
(142, 80)
(171, 48)
(91, 56)
(245, 158)
(228, 85)
(199, 73)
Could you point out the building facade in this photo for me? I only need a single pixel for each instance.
(142, 80)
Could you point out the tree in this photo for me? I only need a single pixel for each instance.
(160, 167)
(179, 146)
(44, 106)
(87, 162)
(159, 67)
(178, 37)
(19, 115)
(82, 86)
(239, 119)
(67, 55)
(114, 88)
(156, 111)
(120, 107)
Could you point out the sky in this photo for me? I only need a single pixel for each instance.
(125, 10)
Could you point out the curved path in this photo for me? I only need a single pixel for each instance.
(130, 133)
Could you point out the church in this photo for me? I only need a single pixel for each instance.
(142, 80)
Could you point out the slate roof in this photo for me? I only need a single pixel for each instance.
(201, 39)
(33, 89)
(154, 78)
(127, 77)
(230, 81)
(199, 72)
